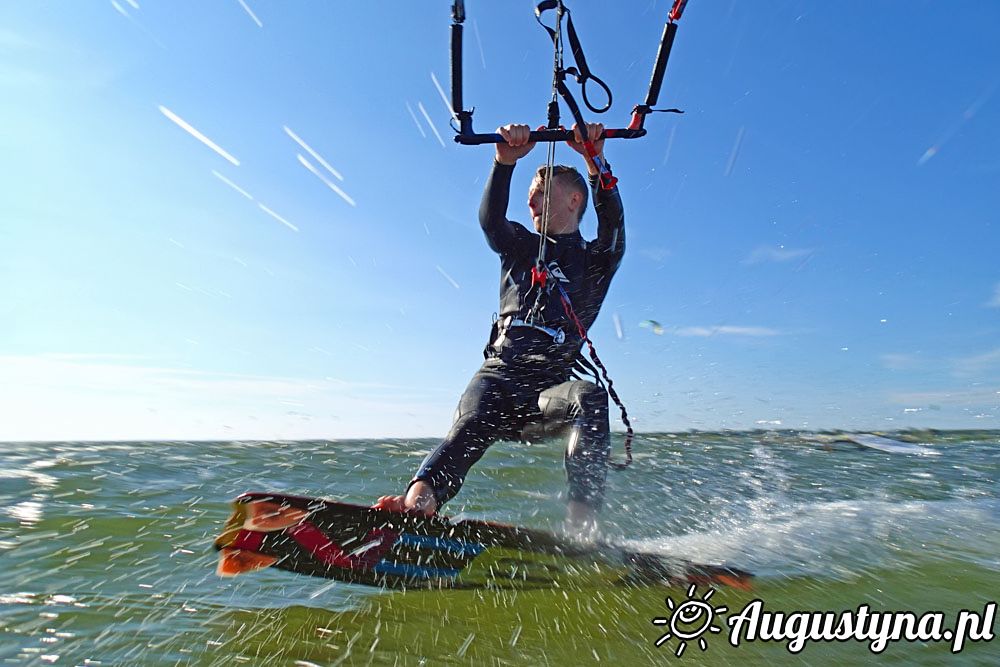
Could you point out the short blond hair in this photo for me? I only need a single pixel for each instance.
(568, 176)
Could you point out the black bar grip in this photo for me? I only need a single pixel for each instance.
(456, 67)
(546, 136)
(660, 68)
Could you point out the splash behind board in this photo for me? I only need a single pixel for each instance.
(876, 442)
(374, 547)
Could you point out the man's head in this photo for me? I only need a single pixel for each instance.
(567, 199)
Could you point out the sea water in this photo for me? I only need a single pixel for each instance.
(106, 552)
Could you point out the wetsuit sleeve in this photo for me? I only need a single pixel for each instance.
(610, 241)
(501, 233)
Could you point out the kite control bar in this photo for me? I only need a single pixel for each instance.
(467, 136)
(545, 136)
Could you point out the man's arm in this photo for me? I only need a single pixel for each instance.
(610, 223)
(499, 231)
(610, 241)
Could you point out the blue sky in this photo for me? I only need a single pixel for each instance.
(817, 234)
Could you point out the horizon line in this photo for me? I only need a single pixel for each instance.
(911, 429)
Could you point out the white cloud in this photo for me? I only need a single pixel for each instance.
(780, 253)
(726, 330)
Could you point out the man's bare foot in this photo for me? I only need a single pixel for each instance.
(390, 503)
(418, 500)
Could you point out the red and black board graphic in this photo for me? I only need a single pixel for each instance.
(364, 545)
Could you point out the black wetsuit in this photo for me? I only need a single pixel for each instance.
(526, 383)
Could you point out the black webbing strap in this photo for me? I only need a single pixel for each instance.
(581, 71)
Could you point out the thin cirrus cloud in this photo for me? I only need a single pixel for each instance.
(726, 330)
(776, 254)
(12, 40)
(960, 397)
(897, 361)
(13, 76)
(960, 367)
(655, 253)
(977, 364)
(118, 397)
(995, 301)
(62, 69)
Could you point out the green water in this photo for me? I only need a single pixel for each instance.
(106, 551)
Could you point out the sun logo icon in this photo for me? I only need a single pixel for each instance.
(689, 620)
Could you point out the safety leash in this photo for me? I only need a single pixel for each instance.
(568, 307)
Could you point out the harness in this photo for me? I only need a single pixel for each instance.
(510, 322)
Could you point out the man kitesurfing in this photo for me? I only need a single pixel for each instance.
(552, 286)
(526, 384)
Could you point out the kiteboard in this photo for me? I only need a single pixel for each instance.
(375, 547)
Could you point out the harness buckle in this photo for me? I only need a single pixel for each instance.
(558, 335)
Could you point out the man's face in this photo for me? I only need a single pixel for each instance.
(562, 216)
